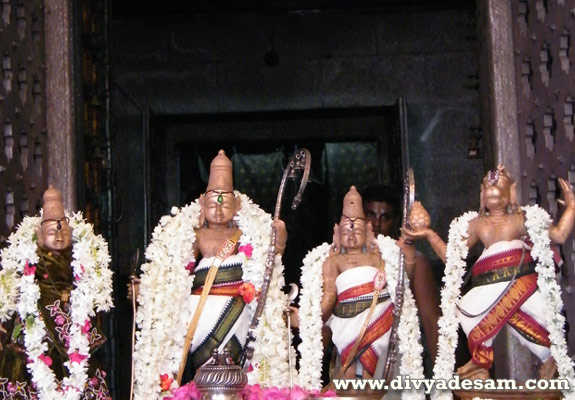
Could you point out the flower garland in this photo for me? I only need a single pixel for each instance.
(91, 294)
(311, 346)
(165, 282)
(410, 347)
(311, 319)
(455, 264)
(537, 224)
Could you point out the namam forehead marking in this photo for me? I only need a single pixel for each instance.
(352, 222)
(220, 195)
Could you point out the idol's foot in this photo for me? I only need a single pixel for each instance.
(472, 371)
(548, 369)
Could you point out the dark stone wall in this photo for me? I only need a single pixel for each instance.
(244, 62)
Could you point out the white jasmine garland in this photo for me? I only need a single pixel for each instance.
(455, 264)
(91, 294)
(165, 309)
(311, 347)
(311, 323)
(410, 348)
(537, 222)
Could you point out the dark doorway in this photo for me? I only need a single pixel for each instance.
(348, 147)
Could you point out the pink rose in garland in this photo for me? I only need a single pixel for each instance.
(247, 249)
(252, 392)
(191, 266)
(29, 269)
(256, 392)
(76, 357)
(45, 359)
(185, 392)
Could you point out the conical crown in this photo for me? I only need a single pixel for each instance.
(52, 207)
(221, 176)
(352, 205)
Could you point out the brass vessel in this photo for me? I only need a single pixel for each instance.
(221, 378)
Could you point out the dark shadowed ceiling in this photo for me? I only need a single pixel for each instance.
(136, 8)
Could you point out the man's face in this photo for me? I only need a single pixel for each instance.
(381, 215)
(352, 235)
(219, 208)
(56, 235)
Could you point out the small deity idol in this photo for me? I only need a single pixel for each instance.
(505, 283)
(42, 343)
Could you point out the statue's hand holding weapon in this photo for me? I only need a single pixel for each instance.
(300, 162)
(281, 236)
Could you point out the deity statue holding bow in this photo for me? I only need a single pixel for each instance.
(200, 286)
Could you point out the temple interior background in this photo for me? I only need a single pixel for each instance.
(123, 103)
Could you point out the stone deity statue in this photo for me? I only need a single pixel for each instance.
(219, 205)
(222, 236)
(350, 276)
(504, 280)
(54, 277)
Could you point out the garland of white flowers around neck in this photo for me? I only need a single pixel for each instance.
(165, 309)
(537, 222)
(92, 293)
(311, 347)
(455, 264)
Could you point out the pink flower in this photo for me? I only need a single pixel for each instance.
(298, 393)
(247, 249)
(87, 326)
(59, 320)
(252, 392)
(77, 357)
(80, 275)
(45, 359)
(29, 269)
(191, 266)
(187, 392)
(255, 392)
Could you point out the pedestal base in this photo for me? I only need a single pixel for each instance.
(508, 394)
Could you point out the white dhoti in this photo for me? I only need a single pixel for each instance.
(224, 320)
(355, 293)
(495, 301)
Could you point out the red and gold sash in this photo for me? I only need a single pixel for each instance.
(504, 311)
(374, 331)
